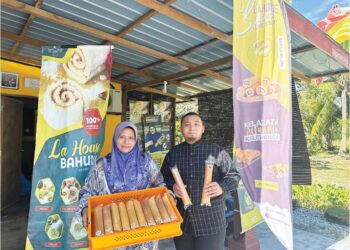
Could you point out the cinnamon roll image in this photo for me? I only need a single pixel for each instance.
(63, 104)
(86, 62)
(249, 92)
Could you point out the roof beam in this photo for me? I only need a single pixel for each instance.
(331, 73)
(187, 20)
(133, 70)
(26, 26)
(151, 90)
(142, 19)
(159, 92)
(18, 58)
(303, 49)
(303, 27)
(104, 35)
(182, 53)
(27, 40)
(30, 61)
(185, 72)
(36, 42)
(300, 76)
(200, 75)
(188, 86)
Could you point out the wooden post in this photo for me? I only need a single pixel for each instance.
(245, 241)
(124, 103)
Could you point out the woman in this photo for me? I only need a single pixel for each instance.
(126, 168)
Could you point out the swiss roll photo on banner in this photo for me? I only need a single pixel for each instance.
(72, 106)
(262, 110)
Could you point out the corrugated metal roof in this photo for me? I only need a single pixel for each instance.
(6, 44)
(12, 20)
(160, 33)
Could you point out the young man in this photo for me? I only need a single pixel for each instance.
(203, 227)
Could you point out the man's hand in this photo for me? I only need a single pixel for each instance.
(85, 224)
(160, 140)
(213, 189)
(177, 191)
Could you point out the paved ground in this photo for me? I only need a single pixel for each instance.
(14, 226)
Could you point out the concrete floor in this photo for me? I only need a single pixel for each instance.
(14, 221)
(14, 229)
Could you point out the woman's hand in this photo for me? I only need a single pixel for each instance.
(85, 223)
(177, 191)
(213, 189)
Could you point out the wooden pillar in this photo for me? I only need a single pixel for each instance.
(245, 241)
(124, 103)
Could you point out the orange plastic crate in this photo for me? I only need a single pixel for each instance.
(135, 236)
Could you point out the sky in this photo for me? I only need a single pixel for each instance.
(316, 10)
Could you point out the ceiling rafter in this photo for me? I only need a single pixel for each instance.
(303, 49)
(198, 68)
(182, 53)
(18, 58)
(26, 26)
(200, 75)
(24, 39)
(188, 86)
(142, 19)
(300, 76)
(104, 35)
(143, 73)
(152, 90)
(35, 62)
(138, 22)
(187, 20)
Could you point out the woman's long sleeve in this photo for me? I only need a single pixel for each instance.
(94, 185)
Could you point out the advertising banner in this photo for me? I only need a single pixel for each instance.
(72, 105)
(262, 110)
(250, 214)
(137, 110)
(157, 137)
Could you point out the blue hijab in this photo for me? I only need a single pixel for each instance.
(130, 171)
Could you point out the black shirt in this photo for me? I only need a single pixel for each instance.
(190, 161)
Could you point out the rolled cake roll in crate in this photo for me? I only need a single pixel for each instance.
(137, 200)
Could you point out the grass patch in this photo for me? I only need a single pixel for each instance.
(329, 168)
(321, 197)
(338, 214)
(330, 191)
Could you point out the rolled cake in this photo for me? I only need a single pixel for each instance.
(86, 62)
(63, 104)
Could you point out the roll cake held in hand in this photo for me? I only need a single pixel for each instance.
(208, 168)
(63, 104)
(177, 177)
(85, 62)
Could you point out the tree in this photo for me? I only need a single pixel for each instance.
(343, 84)
(320, 114)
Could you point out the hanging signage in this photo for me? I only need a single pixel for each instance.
(157, 138)
(72, 106)
(137, 110)
(262, 110)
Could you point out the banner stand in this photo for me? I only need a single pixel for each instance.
(247, 240)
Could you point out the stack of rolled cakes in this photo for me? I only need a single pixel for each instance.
(119, 216)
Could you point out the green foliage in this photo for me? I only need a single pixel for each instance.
(321, 197)
(325, 128)
(320, 114)
(178, 136)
